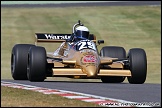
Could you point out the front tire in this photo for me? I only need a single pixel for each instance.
(116, 52)
(19, 58)
(138, 66)
(37, 64)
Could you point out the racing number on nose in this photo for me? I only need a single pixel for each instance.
(86, 44)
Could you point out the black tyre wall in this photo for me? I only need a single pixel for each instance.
(138, 65)
(116, 52)
(113, 51)
(37, 64)
(19, 58)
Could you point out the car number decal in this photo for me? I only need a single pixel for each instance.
(85, 44)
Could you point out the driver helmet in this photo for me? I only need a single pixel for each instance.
(82, 32)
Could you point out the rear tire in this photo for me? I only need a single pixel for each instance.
(37, 63)
(19, 58)
(138, 66)
(116, 52)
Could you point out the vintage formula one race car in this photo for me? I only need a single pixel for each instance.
(78, 55)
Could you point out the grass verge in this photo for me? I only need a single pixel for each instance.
(26, 98)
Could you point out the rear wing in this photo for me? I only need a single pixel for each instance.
(46, 37)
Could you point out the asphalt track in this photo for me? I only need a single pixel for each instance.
(125, 91)
(106, 3)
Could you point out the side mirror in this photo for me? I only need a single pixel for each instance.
(100, 42)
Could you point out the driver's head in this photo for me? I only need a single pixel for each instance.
(82, 32)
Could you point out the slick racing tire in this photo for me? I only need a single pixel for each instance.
(19, 59)
(138, 66)
(116, 52)
(36, 64)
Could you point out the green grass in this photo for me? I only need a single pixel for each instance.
(26, 98)
(127, 26)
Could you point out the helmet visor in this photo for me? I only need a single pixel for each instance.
(82, 34)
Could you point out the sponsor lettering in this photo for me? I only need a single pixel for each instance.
(89, 59)
(51, 36)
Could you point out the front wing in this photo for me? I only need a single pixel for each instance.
(116, 70)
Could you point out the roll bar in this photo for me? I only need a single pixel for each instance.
(74, 26)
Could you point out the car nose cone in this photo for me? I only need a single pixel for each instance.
(91, 71)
